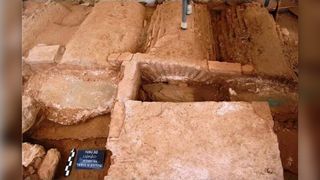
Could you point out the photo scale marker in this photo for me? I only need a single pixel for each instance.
(67, 169)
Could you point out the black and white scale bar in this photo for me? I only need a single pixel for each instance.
(67, 169)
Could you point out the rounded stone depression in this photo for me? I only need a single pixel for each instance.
(73, 94)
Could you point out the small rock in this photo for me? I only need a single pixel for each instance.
(285, 31)
(30, 110)
(232, 92)
(37, 162)
(49, 164)
(31, 152)
(85, 4)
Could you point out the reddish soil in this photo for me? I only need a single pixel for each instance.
(94, 128)
(247, 34)
(289, 30)
(288, 144)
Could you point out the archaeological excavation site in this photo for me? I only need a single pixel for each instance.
(166, 90)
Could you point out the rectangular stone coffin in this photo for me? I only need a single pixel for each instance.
(201, 140)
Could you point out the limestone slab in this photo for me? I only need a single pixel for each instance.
(167, 40)
(200, 140)
(72, 94)
(30, 110)
(49, 164)
(111, 27)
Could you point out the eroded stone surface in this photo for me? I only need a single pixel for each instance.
(37, 164)
(30, 109)
(112, 27)
(30, 152)
(73, 94)
(208, 140)
(247, 34)
(49, 164)
(155, 71)
(36, 23)
(167, 40)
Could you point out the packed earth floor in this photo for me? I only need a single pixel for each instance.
(216, 101)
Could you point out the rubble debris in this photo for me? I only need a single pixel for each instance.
(49, 164)
(31, 152)
(37, 163)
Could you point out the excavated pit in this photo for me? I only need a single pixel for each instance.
(158, 84)
(247, 34)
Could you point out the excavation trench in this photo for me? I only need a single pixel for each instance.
(282, 102)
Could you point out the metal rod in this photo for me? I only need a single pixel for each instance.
(184, 15)
(189, 7)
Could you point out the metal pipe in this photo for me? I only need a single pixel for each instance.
(184, 15)
(189, 8)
